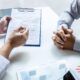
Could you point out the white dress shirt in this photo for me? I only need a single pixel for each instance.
(3, 65)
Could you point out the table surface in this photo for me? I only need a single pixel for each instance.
(45, 54)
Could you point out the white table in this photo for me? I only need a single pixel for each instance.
(45, 54)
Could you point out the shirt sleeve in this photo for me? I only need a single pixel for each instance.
(3, 65)
(69, 15)
(77, 45)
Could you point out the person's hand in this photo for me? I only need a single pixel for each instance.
(4, 24)
(78, 69)
(64, 38)
(18, 37)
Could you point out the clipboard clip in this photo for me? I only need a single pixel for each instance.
(26, 9)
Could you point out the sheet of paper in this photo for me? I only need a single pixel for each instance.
(43, 73)
(27, 17)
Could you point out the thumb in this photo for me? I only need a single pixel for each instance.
(26, 32)
(67, 31)
(70, 31)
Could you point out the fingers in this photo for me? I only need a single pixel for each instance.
(64, 33)
(8, 18)
(22, 31)
(67, 31)
(4, 23)
(78, 69)
(57, 39)
(59, 45)
(26, 33)
(58, 42)
(68, 36)
(61, 35)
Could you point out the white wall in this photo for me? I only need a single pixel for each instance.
(8, 3)
(57, 5)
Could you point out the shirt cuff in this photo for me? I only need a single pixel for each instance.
(3, 63)
(76, 45)
(64, 25)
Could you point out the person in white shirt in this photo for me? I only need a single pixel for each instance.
(64, 37)
(17, 38)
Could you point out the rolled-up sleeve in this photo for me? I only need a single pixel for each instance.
(3, 65)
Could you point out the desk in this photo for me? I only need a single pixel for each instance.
(45, 54)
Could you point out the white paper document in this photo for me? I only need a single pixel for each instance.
(52, 72)
(29, 17)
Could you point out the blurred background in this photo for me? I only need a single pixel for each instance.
(57, 5)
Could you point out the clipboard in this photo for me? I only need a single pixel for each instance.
(30, 17)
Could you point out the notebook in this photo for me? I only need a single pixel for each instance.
(29, 17)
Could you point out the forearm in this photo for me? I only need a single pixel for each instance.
(65, 20)
(5, 50)
(4, 55)
(4, 63)
(69, 15)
